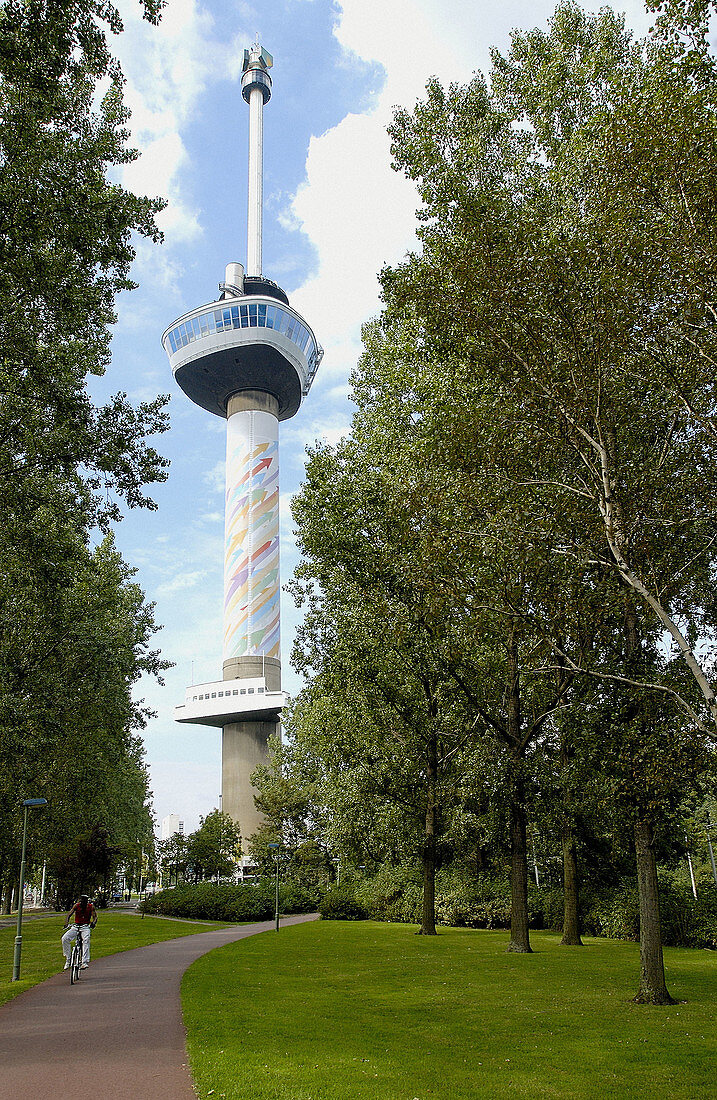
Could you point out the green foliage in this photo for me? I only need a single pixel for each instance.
(688, 921)
(482, 903)
(341, 903)
(288, 798)
(74, 628)
(173, 858)
(615, 912)
(213, 849)
(82, 863)
(394, 894)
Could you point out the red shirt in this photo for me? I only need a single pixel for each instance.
(83, 916)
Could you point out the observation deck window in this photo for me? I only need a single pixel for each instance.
(248, 315)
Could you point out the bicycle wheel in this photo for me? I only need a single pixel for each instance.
(75, 961)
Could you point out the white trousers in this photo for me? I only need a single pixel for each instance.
(69, 938)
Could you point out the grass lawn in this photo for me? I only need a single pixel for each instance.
(365, 1011)
(42, 953)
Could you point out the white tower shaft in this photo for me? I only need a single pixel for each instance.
(251, 563)
(256, 154)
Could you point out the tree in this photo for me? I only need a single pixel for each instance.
(372, 639)
(569, 320)
(290, 803)
(74, 631)
(69, 723)
(65, 252)
(173, 858)
(212, 850)
(583, 288)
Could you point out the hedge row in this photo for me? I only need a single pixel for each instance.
(394, 894)
(229, 901)
(484, 902)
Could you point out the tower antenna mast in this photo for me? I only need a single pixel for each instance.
(256, 90)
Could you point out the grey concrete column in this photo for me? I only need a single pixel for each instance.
(252, 401)
(244, 748)
(243, 668)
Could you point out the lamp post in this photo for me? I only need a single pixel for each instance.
(29, 802)
(276, 910)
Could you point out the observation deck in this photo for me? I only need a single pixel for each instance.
(225, 701)
(251, 340)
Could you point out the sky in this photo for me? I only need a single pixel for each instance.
(334, 214)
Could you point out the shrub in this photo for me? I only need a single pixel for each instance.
(549, 906)
(481, 901)
(394, 894)
(340, 903)
(295, 898)
(228, 901)
(688, 921)
(615, 912)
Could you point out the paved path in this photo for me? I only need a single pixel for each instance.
(119, 1030)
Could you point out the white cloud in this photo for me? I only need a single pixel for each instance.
(216, 477)
(182, 581)
(167, 69)
(305, 435)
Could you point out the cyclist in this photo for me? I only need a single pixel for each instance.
(84, 917)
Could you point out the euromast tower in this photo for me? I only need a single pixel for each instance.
(250, 358)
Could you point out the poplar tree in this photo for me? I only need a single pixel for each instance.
(566, 273)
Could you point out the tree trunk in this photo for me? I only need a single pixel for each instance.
(519, 934)
(653, 990)
(428, 918)
(571, 918)
(11, 896)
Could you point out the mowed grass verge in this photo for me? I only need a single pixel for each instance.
(42, 952)
(366, 1011)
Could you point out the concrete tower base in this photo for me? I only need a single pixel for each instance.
(244, 748)
(243, 668)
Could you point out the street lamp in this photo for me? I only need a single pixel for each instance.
(28, 803)
(276, 911)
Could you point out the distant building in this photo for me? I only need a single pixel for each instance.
(171, 825)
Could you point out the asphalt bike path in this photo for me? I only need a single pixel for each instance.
(118, 1029)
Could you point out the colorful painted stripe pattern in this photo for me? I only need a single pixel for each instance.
(251, 558)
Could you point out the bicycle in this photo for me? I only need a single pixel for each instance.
(76, 958)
